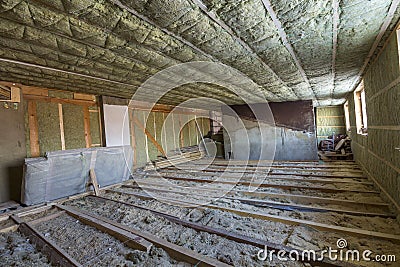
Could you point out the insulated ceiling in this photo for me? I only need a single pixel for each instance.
(292, 49)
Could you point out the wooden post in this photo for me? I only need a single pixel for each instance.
(86, 121)
(152, 139)
(133, 137)
(181, 130)
(33, 129)
(93, 182)
(61, 118)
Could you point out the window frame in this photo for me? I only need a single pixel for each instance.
(347, 116)
(360, 107)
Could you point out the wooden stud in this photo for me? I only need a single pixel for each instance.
(133, 137)
(181, 137)
(61, 119)
(33, 129)
(152, 139)
(86, 123)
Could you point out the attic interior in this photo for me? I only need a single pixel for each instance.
(199, 133)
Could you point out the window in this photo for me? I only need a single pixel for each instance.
(360, 109)
(216, 121)
(347, 116)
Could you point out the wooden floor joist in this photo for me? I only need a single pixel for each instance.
(131, 240)
(275, 168)
(56, 255)
(310, 174)
(270, 204)
(231, 235)
(175, 251)
(281, 186)
(273, 177)
(282, 219)
(305, 199)
(47, 218)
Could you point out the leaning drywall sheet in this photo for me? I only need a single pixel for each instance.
(65, 173)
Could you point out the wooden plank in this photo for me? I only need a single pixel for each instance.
(59, 100)
(287, 220)
(305, 199)
(15, 94)
(133, 137)
(318, 168)
(33, 129)
(93, 182)
(177, 252)
(131, 240)
(266, 203)
(56, 255)
(152, 139)
(61, 120)
(272, 177)
(181, 137)
(310, 174)
(231, 235)
(79, 96)
(86, 123)
(47, 218)
(269, 185)
(11, 228)
(30, 90)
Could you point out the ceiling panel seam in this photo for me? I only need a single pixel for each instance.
(384, 27)
(283, 36)
(335, 27)
(223, 25)
(93, 45)
(146, 19)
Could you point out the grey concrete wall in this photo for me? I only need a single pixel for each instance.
(292, 137)
(376, 152)
(12, 152)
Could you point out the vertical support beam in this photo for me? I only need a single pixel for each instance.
(181, 130)
(61, 118)
(173, 129)
(101, 121)
(86, 121)
(152, 139)
(201, 135)
(33, 129)
(133, 136)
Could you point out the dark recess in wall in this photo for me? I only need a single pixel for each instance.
(294, 115)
